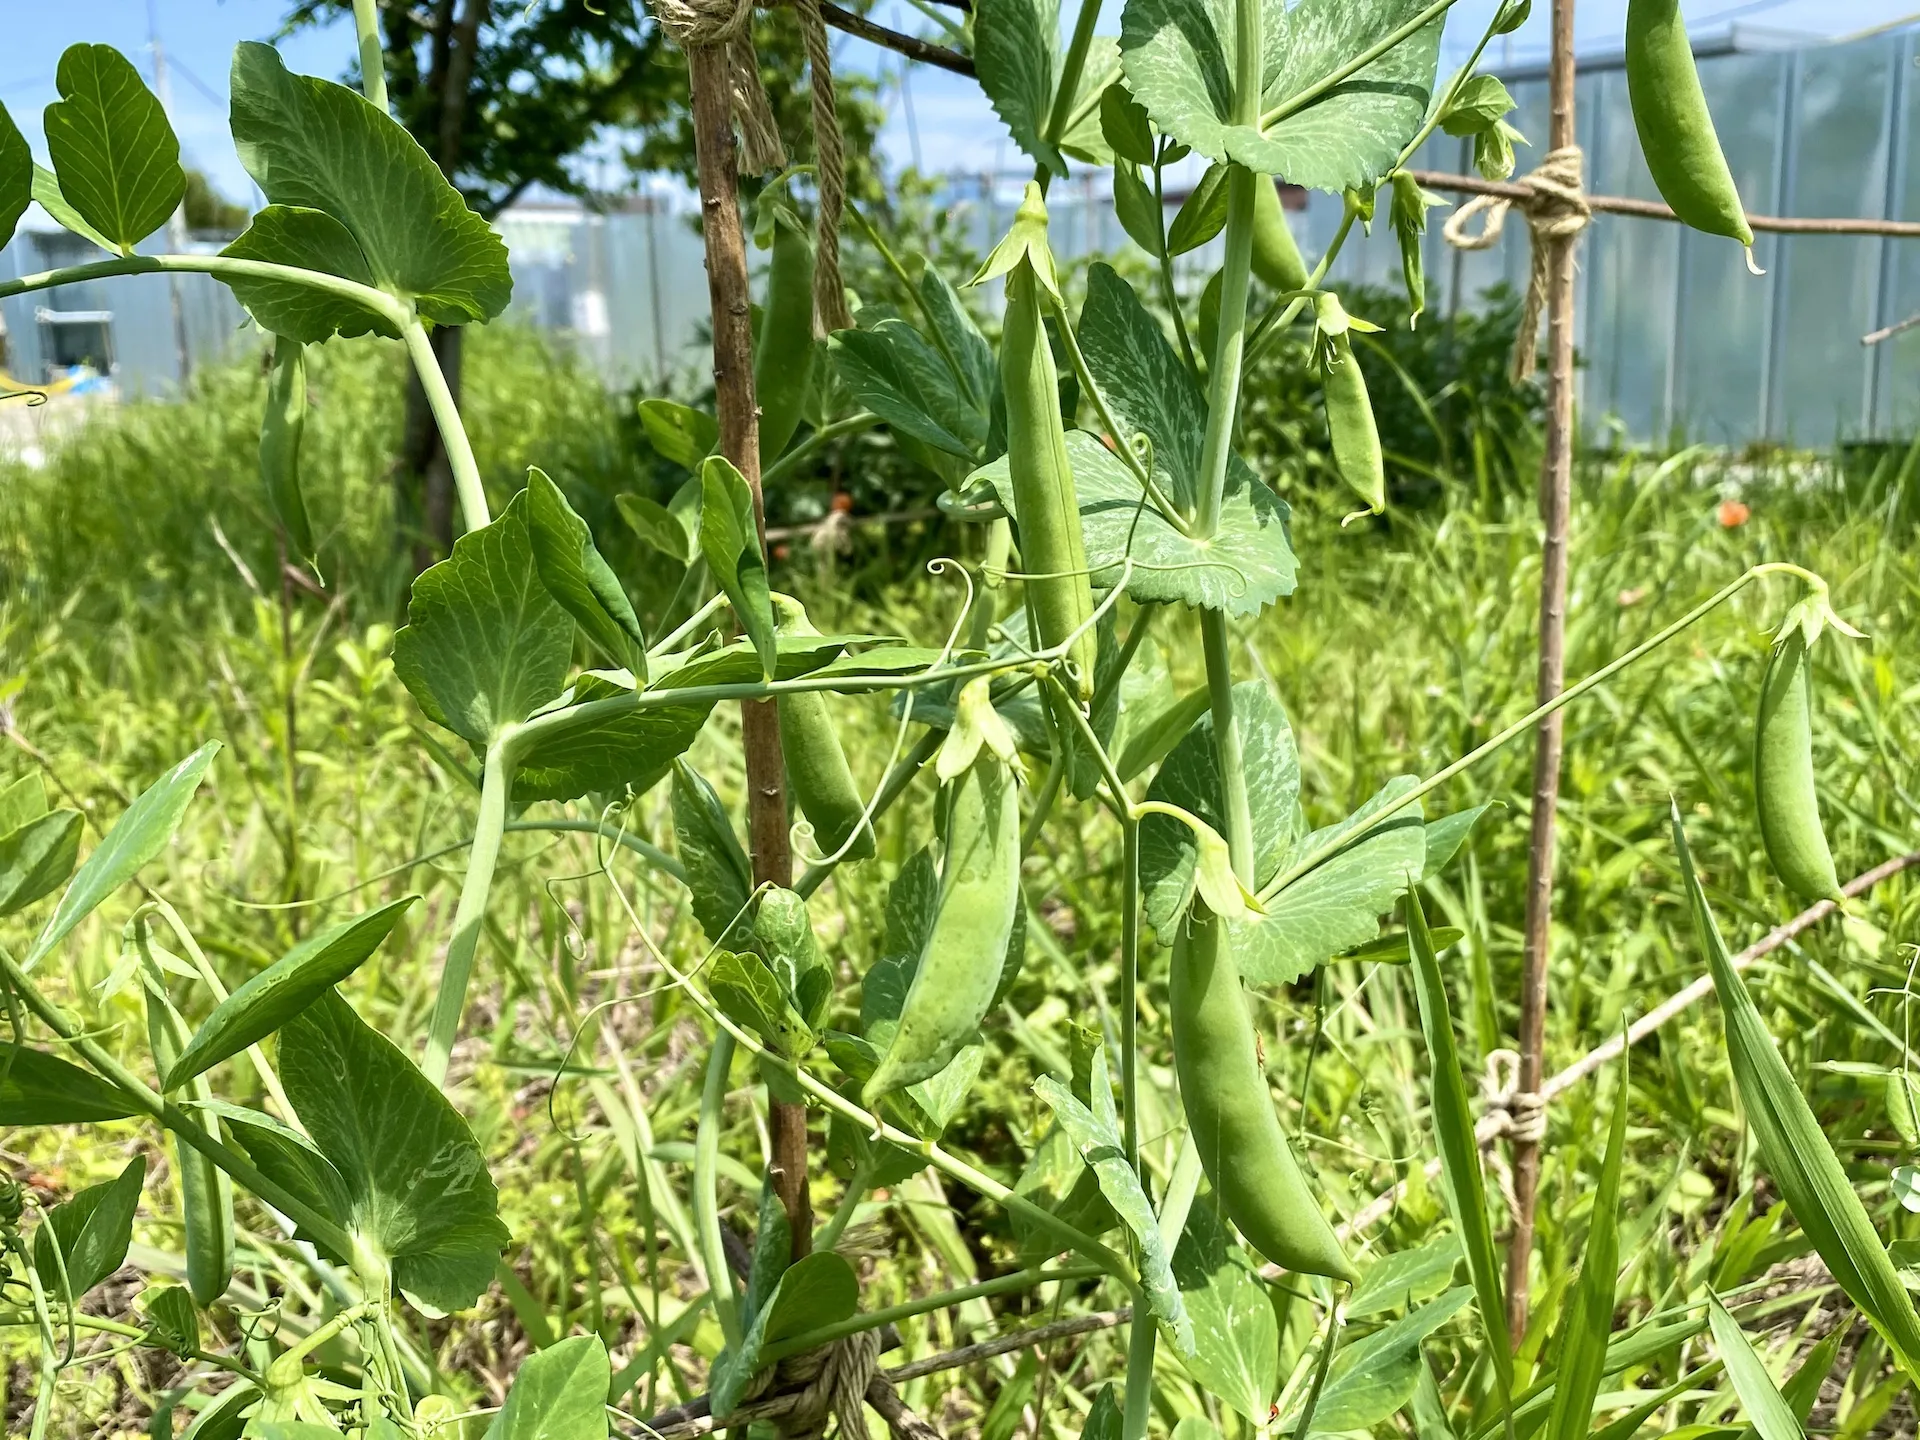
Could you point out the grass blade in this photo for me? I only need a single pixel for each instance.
(1459, 1151)
(1583, 1350)
(1766, 1408)
(1795, 1150)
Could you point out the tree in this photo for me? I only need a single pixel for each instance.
(505, 95)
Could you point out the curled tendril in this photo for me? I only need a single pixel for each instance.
(34, 398)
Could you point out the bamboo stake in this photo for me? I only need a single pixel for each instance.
(715, 148)
(1556, 484)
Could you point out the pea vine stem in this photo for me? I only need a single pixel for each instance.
(1526, 722)
(373, 62)
(496, 781)
(453, 434)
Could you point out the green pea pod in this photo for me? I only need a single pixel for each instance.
(1783, 782)
(783, 350)
(1356, 441)
(960, 965)
(1052, 546)
(1223, 1089)
(818, 776)
(1276, 258)
(206, 1194)
(280, 431)
(1676, 130)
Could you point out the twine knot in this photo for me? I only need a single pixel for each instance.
(1556, 209)
(832, 1382)
(704, 24)
(1522, 1113)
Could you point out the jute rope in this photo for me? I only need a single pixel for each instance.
(829, 295)
(1520, 1114)
(833, 1382)
(697, 24)
(1556, 209)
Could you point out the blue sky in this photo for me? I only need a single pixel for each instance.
(939, 118)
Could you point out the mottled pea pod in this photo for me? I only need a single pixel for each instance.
(818, 776)
(1223, 1089)
(1784, 789)
(966, 950)
(783, 348)
(1052, 548)
(1676, 130)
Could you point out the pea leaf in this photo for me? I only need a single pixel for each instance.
(1190, 780)
(897, 373)
(1236, 1335)
(41, 1089)
(46, 191)
(1446, 835)
(315, 144)
(559, 1394)
(1795, 1149)
(16, 176)
(417, 1188)
(139, 835)
(1178, 62)
(92, 1231)
(484, 645)
(730, 541)
(1016, 46)
(574, 573)
(115, 153)
(1338, 903)
(970, 360)
(287, 1158)
(679, 432)
(1248, 563)
(1095, 1131)
(1404, 1277)
(278, 993)
(719, 879)
(749, 992)
(627, 750)
(170, 1313)
(658, 526)
(37, 857)
(1123, 121)
(309, 240)
(24, 800)
(1202, 216)
(1453, 1123)
(1372, 1379)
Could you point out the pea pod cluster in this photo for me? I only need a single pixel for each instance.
(1784, 789)
(1223, 1089)
(818, 776)
(1676, 131)
(960, 964)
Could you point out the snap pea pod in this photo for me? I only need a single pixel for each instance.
(1784, 791)
(1223, 1090)
(206, 1194)
(1052, 547)
(783, 350)
(1676, 129)
(281, 427)
(1350, 424)
(1276, 258)
(818, 776)
(960, 965)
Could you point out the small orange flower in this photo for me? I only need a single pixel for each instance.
(1733, 514)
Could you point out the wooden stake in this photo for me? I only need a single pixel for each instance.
(739, 416)
(1556, 484)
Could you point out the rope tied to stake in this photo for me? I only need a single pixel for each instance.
(700, 24)
(833, 1382)
(830, 164)
(1522, 1113)
(1556, 209)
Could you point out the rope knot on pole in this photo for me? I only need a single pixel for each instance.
(1556, 210)
(705, 24)
(832, 1383)
(1522, 1114)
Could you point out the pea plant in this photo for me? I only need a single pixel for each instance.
(1092, 477)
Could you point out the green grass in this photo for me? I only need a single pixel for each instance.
(128, 636)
